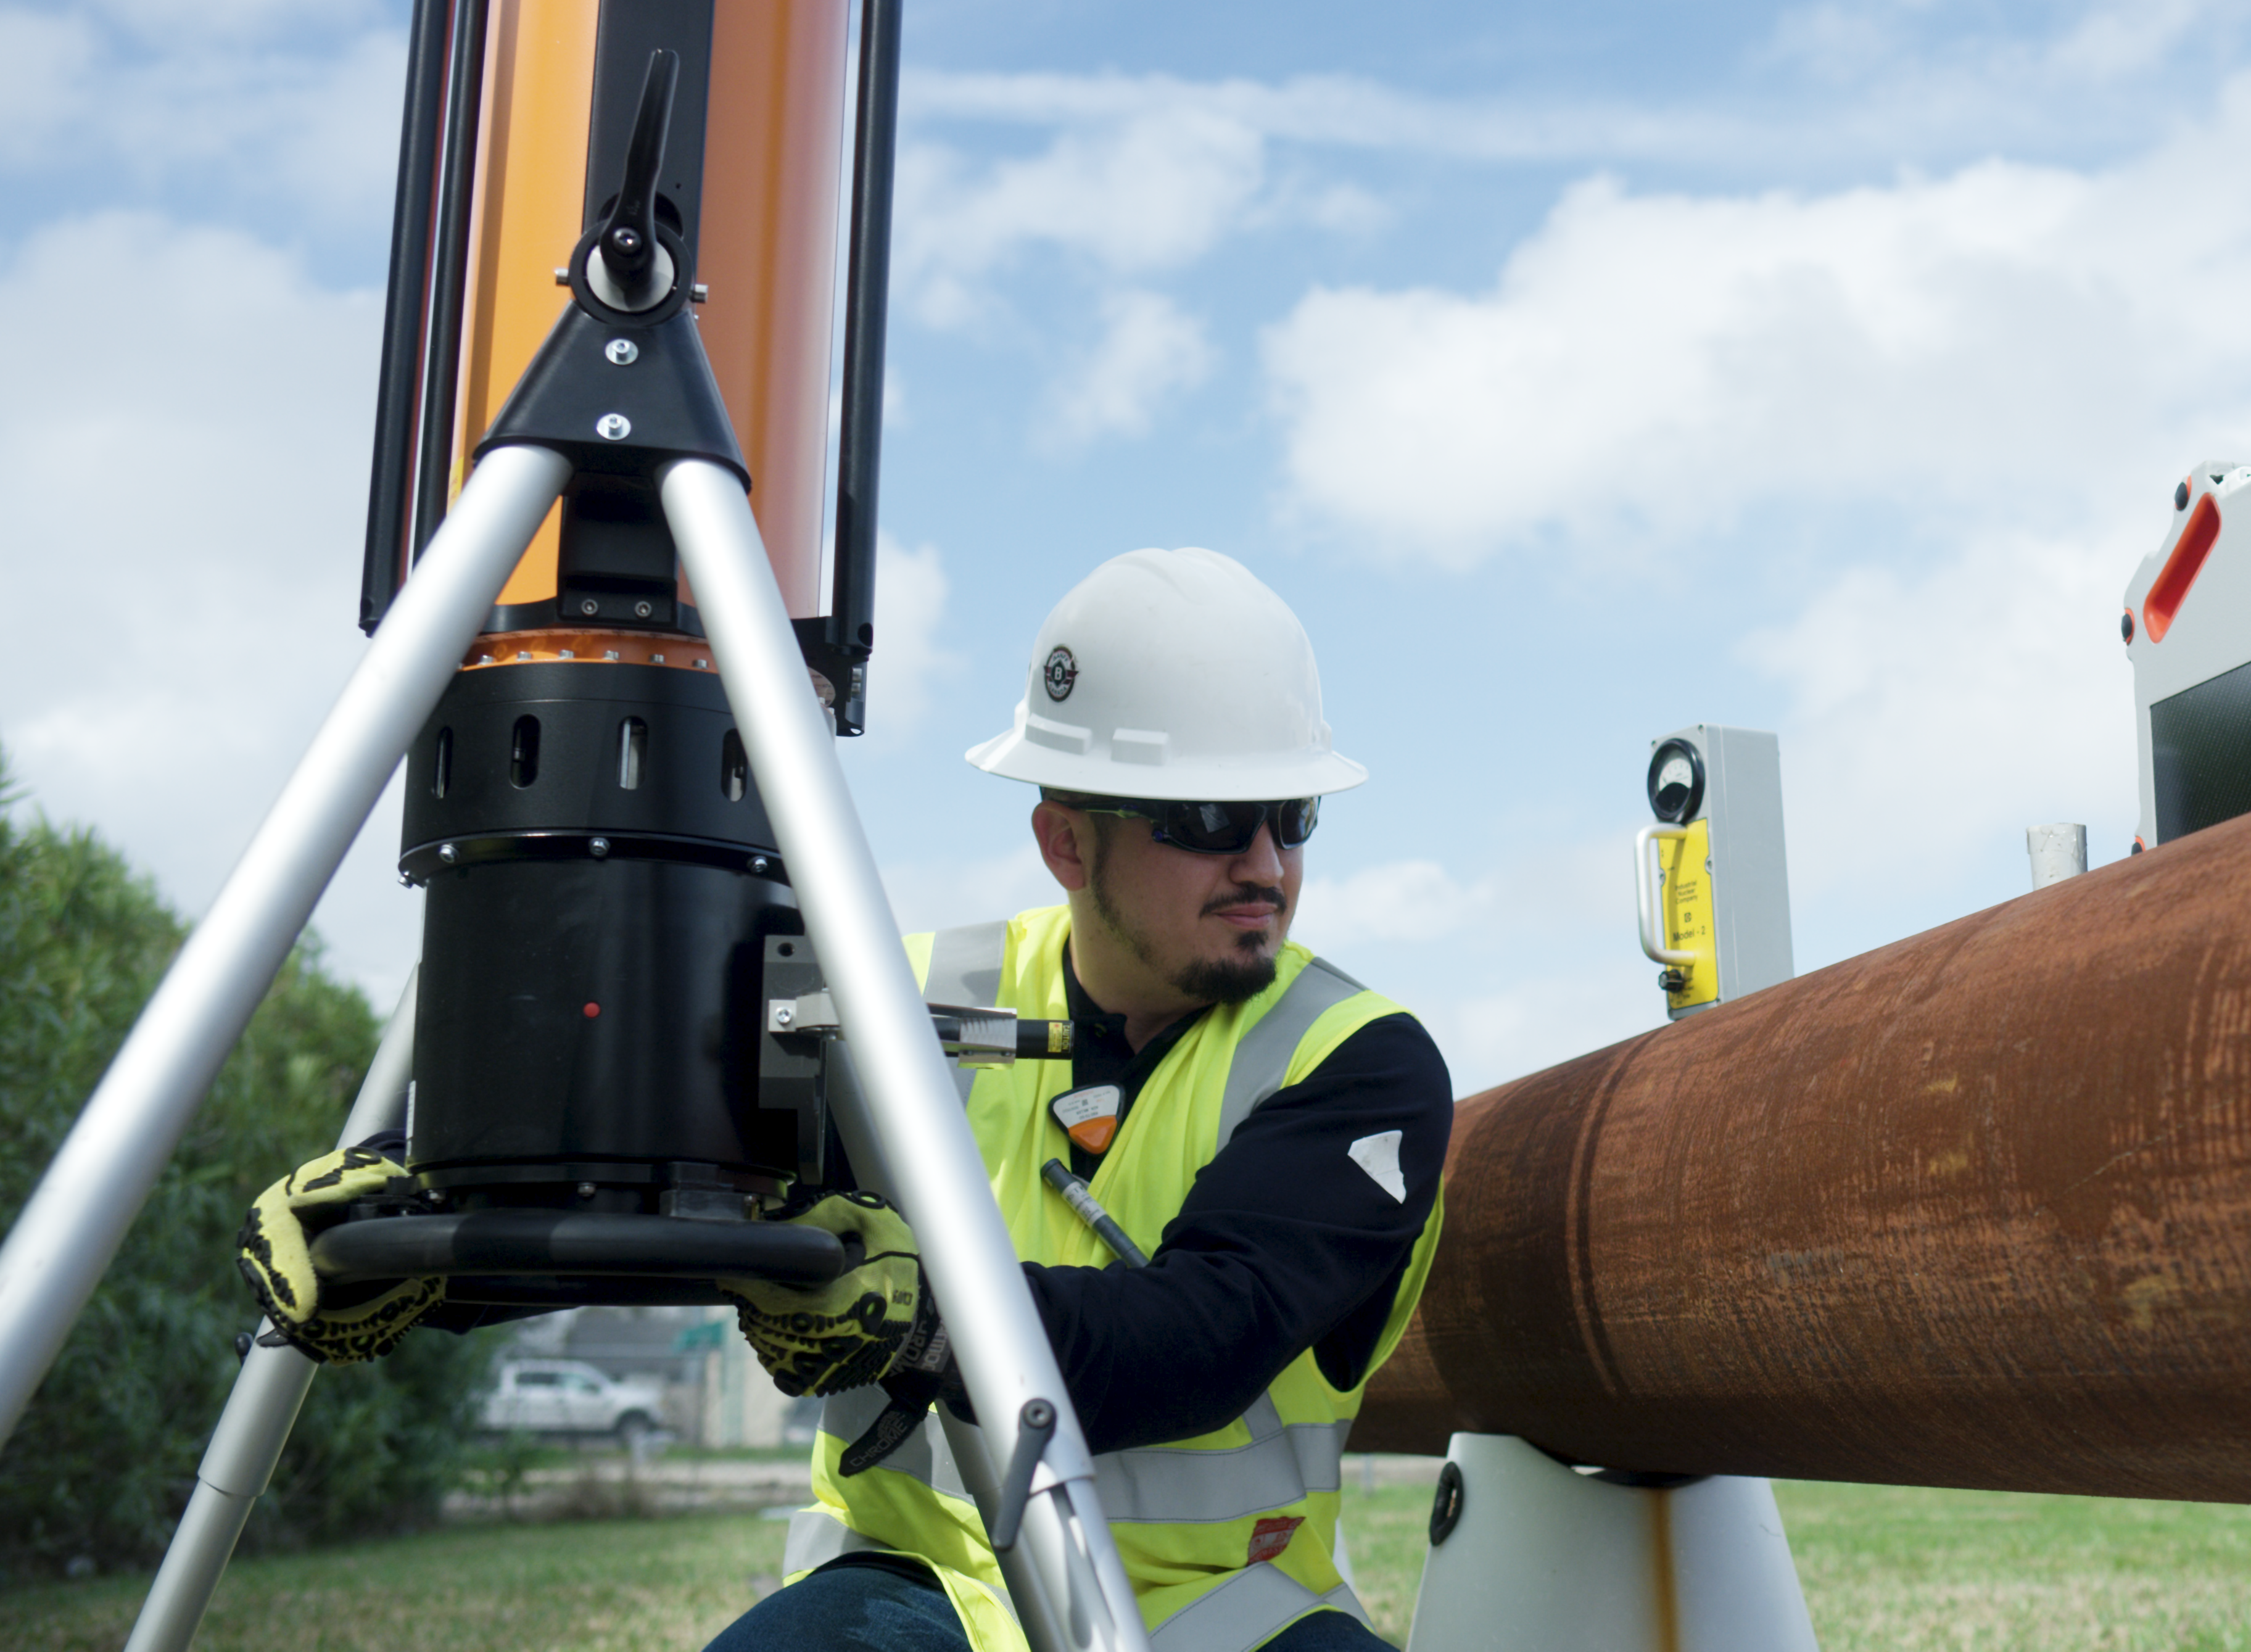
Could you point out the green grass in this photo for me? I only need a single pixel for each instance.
(1883, 1567)
(611, 1586)
(1888, 1567)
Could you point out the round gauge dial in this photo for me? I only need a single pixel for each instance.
(1676, 782)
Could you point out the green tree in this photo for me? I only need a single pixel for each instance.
(103, 1462)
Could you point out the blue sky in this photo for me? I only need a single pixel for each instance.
(1577, 373)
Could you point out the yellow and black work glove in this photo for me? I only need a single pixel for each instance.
(340, 1323)
(876, 1321)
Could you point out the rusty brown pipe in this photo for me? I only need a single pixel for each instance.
(1970, 1210)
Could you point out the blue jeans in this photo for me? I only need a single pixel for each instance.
(864, 1608)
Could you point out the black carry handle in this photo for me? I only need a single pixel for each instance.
(583, 1244)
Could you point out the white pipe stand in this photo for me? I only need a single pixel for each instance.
(1544, 1560)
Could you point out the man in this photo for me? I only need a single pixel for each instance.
(1268, 1131)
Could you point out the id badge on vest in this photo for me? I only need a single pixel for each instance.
(1088, 1116)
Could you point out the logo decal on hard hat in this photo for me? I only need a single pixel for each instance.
(1062, 671)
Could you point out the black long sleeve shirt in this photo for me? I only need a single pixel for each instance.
(1284, 1242)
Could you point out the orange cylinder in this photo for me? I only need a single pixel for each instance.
(772, 155)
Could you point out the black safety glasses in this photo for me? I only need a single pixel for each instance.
(1217, 829)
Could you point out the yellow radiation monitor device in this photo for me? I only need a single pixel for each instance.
(1713, 881)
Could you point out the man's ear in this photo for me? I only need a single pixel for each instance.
(1062, 836)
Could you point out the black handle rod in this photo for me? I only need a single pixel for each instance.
(546, 1243)
(405, 295)
(441, 339)
(859, 455)
(1088, 1209)
(627, 243)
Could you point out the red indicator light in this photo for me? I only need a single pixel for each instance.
(2181, 569)
(592, 1011)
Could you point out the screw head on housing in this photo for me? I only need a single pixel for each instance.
(613, 427)
(623, 351)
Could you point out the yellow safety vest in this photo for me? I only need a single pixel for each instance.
(1228, 1537)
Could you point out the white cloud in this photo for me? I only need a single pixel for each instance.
(908, 660)
(1938, 714)
(1148, 349)
(2102, 42)
(186, 479)
(253, 100)
(1397, 901)
(1344, 111)
(2009, 343)
(1152, 191)
(43, 61)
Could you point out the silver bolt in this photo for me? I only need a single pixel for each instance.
(562, 276)
(405, 879)
(448, 854)
(760, 865)
(590, 608)
(613, 427)
(643, 611)
(586, 1190)
(623, 351)
(699, 291)
(783, 1015)
(598, 847)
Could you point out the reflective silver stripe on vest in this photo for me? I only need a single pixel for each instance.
(923, 1455)
(965, 970)
(1262, 1057)
(816, 1538)
(1181, 1485)
(1245, 1610)
(965, 964)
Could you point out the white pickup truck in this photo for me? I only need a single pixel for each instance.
(565, 1396)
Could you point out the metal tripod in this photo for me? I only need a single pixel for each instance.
(1071, 1586)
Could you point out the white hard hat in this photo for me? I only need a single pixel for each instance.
(1171, 674)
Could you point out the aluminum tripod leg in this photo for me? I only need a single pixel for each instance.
(76, 1218)
(941, 1184)
(239, 1464)
(1026, 1591)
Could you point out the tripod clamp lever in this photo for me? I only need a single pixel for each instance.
(1035, 1426)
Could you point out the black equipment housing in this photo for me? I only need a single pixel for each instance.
(601, 880)
(606, 904)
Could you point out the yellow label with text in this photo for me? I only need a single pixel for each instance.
(1684, 905)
